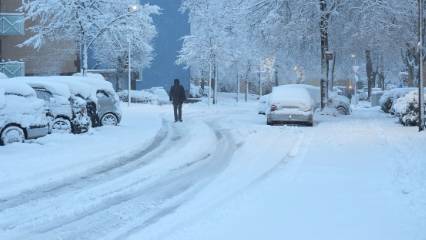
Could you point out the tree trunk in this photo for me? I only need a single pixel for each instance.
(369, 69)
(332, 72)
(324, 39)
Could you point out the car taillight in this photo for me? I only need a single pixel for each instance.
(274, 108)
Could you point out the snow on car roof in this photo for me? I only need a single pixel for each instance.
(290, 96)
(41, 82)
(17, 88)
(75, 86)
(95, 80)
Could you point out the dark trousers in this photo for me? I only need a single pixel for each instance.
(177, 107)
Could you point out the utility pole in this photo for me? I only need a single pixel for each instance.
(216, 74)
(238, 87)
(420, 49)
(130, 71)
(210, 81)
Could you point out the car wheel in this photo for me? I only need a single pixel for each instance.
(61, 125)
(269, 122)
(109, 119)
(342, 110)
(12, 134)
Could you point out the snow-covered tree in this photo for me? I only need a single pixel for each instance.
(91, 23)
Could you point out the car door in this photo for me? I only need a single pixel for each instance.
(105, 102)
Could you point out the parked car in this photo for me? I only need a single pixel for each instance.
(108, 103)
(339, 103)
(262, 106)
(22, 114)
(84, 96)
(62, 114)
(288, 104)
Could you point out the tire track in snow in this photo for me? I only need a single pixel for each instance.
(146, 204)
(116, 168)
(146, 200)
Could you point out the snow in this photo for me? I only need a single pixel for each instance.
(25, 166)
(11, 87)
(284, 96)
(53, 87)
(3, 76)
(2, 98)
(19, 105)
(221, 174)
(156, 96)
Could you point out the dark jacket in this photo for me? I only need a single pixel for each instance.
(177, 94)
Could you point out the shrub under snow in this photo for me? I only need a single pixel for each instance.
(407, 109)
(389, 97)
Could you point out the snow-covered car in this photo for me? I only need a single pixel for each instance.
(22, 114)
(83, 102)
(406, 108)
(262, 105)
(338, 103)
(108, 102)
(290, 105)
(389, 97)
(156, 96)
(57, 97)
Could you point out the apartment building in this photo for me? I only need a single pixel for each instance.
(59, 57)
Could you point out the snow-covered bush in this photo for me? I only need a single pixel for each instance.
(407, 109)
(389, 97)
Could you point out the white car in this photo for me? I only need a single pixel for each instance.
(290, 105)
(22, 114)
(339, 103)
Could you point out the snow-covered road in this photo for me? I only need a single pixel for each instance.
(224, 174)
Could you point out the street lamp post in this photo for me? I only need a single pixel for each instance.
(420, 49)
(132, 9)
(355, 69)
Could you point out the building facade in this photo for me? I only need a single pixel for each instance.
(54, 58)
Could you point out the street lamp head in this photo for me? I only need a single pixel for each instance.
(134, 8)
(353, 55)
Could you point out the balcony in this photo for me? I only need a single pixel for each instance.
(13, 68)
(11, 24)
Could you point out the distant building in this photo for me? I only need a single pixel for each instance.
(53, 58)
(171, 25)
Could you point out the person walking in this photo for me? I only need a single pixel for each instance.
(177, 96)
